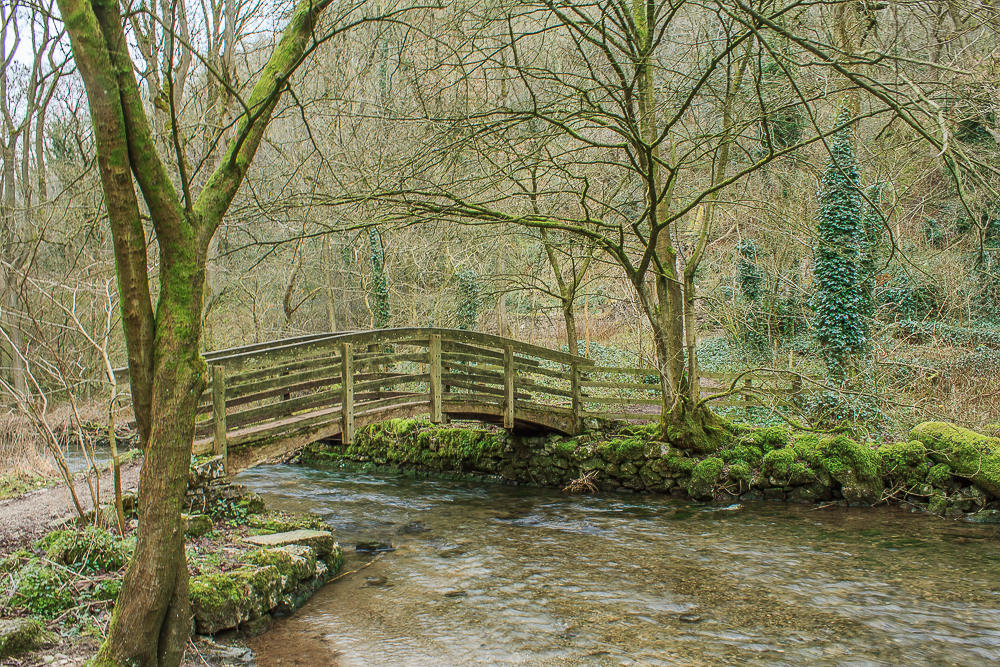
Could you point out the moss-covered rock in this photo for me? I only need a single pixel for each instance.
(705, 478)
(939, 475)
(196, 525)
(90, 548)
(904, 463)
(18, 635)
(851, 464)
(969, 454)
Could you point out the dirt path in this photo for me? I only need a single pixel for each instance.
(28, 517)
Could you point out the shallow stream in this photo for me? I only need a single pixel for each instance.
(496, 575)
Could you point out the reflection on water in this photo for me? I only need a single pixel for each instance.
(498, 575)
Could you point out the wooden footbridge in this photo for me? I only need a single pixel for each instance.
(277, 396)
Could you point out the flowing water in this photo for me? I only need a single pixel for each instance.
(495, 575)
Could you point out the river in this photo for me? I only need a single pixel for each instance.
(493, 575)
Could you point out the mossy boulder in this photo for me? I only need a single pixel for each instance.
(18, 635)
(968, 454)
(224, 600)
(904, 463)
(705, 478)
(91, 548)
(781, 467)
(939, 476)
(853, 465)
(282, 522)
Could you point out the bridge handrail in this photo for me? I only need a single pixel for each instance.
(233, 356)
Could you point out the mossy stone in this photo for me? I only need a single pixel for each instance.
(969, 454)
(705, 478)
(18, 635)
(196, 525)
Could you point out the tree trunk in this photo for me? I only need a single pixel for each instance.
(152, 618)
(570, 319)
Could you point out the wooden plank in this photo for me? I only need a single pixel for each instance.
(509, 378)
(601, 400)
(639, 416)
(621, 370)
(220, 447)
(621, 385)
(273, 369)
(434, 368)
(390, 381)
(475, 376)
(386, 359)
(319, 399)
(347, 393)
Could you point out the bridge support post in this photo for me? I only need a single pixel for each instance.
(509, 389)
(577, 396)
(220, 445)
(434, 368)
(347, 393)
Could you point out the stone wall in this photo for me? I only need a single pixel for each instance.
(942, 469)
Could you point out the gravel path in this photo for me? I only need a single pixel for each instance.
(28, 517)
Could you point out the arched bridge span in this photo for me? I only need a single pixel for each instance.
(278, 396)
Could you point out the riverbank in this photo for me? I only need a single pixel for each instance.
(941, 469)
(248, 565)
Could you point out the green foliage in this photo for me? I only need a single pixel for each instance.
(469, 298)
(904, 297)
(841, 328)
(378, 289)
(782, 124)
(42, 590)
(950, 334)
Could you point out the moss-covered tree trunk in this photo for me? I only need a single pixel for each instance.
(152, 619)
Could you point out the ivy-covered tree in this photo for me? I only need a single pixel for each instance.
(378, 289)
(751, 283)
(748, 273)
(469, 298)
(842, 327)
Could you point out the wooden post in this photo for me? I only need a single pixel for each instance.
(347, 393)
(747, 387)
(509, 373)
(220, 447)
(574, 383)
(434, 366)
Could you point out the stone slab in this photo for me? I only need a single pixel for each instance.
(320, 540)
